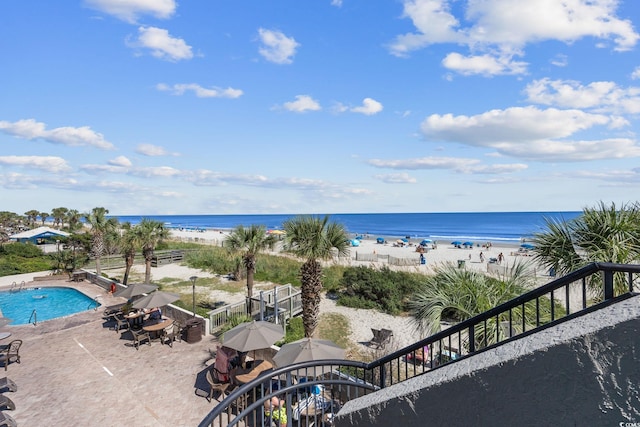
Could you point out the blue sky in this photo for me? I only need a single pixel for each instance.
(324, 106)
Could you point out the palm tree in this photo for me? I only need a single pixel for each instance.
(250, 241)
(457, 294)
(600, 234)
(128, 245)
(149, 233)
(44, 216)
(59, 215)
(313, 239)
(73, 219)
(100, 226)
(32, 216)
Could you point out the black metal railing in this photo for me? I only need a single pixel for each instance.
(585, 290)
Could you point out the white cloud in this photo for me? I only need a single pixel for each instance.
(199, 91)
(158, 171)
(369, 107)
(486, 64)
(396, 178)
(600, 96)
(152, 150)
(120, 161)
(636, 73)
(276, 47)
(46, 163)
(161, 44)
(531, 133)
(302, 104)
(560, 60)
(505, 27)
(130, 10)
(457, 164)
(30, 129)
(337, 3)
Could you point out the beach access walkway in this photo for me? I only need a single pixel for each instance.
(77, 371)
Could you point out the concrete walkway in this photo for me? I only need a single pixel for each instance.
(77, 371)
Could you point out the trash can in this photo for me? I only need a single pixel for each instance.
(194, 330)
(460, 263)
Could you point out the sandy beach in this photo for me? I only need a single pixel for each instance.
(363, 254)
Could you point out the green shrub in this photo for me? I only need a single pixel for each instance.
(384, 289)
(295, 331)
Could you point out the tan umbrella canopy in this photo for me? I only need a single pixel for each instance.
(307, 349)
(156, 299)
(4, 321)
(135, 290)
(253, 335)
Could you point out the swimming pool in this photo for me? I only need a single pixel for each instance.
(49, 303)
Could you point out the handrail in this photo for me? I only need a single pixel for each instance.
(34, 316)
(538, 309)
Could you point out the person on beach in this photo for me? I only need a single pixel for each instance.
(481, 257)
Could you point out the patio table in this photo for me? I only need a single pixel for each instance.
(157, 326)
(242, 376)
(4, 335)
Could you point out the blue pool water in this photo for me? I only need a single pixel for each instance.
(49, 303)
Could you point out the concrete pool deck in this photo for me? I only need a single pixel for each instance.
(77, 371)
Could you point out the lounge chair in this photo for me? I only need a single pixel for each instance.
(139, 337)
(215, 384)
(12, 351)
(380, 338)
(7, 421)
(6, 383)
(6, 403)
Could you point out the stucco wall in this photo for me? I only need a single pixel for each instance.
(585, 372)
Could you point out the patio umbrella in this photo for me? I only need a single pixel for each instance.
(135, 290)
(425, 242)
(305, 350)
(156, 299)
(527, 246)
(253, 335)
(456, 242)
(467, 244)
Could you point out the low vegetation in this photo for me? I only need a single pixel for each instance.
(23, 258)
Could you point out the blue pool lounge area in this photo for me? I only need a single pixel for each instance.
(75, 370)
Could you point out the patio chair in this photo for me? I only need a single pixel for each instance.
(139, 337)
(7, 421)
(120, 322)
(380, 338)
(171, 334)
(6, 383)
(12, 351)
(215, 384)
(6, 403)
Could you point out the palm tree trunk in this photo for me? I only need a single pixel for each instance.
(250, 273)
(128, 263)
(310, 295)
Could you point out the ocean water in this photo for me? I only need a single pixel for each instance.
(477, 226)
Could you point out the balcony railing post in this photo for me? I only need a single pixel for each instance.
(472, 339)
(608, 285)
